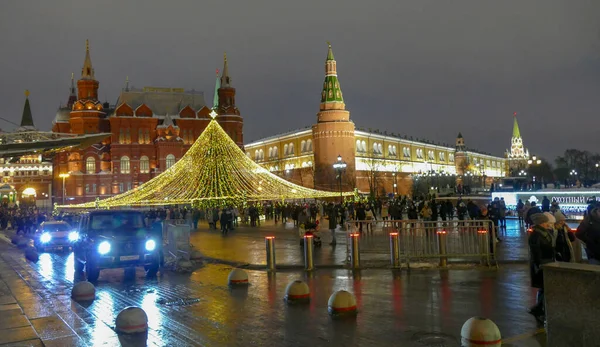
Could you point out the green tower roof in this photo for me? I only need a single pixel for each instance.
(332, 91)
(27, 118)
(516, 132)
(216, 95)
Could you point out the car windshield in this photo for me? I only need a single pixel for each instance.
(56, 227)
(126, 221)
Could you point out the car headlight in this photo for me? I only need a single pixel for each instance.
(73, 236)
(150, 245)
(45, 237)
(104, 247)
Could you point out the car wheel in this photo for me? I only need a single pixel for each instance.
(92, 271)
(151, 270)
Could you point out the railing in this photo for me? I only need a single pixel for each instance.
(417, 240)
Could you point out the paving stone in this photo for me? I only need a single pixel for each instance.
(70, 341)
(28, 343)
(51, 327)
(16, 321)
(17, 335)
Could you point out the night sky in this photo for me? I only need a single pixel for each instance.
(428, 69)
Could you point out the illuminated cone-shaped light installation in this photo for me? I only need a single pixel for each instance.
(213, 172)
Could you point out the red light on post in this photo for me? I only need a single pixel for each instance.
(482, 231)
(354, 235)
(308, 236)
(270, 237)
(441, 232)
(394, 234)
(530, 230)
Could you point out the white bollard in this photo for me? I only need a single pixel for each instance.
(237, 277)
(131, 320)
(297, 292)
(83, 291)
(32, 254)
(342, 303)
(478, 331)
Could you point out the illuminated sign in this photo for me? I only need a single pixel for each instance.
(562, 197)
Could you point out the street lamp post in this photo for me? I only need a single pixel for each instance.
(573, 174)
(395, 183)
(64, 189)
(597, 165)
(339, 166)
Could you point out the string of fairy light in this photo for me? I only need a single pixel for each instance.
(213, 172)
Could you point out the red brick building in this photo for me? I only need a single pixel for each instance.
(150, 130)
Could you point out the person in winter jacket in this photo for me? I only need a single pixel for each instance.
(541, 251)
(564, 239)
(589, 233)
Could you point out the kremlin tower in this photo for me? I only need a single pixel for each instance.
(518, 155)
(228, 114)
(333, 135)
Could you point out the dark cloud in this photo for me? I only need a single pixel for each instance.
(424, 68)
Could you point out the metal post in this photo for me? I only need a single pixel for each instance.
(64, 190)
(394, 250)
(309, 264)
(484, 247)
(270, 245)
(354, 251)
(442, 247)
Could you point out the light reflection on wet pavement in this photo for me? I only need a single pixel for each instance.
(395, 307)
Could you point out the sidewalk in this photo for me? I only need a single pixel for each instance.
(33, 315)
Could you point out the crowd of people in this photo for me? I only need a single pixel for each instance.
(551, 240)
(24, 220)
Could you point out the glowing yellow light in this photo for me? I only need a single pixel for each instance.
(214, 171)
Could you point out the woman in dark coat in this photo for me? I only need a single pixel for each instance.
(541, 251)
(332, 214)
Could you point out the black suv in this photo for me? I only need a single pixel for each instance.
(111, 239)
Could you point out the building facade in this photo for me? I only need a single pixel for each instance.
(151, 128)
(377, 162)
(26, 181)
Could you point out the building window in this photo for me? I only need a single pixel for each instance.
(406, 152)
(392, 150)
(420, 153)
(170, 160)
(309, 146)
(94, 188)
(141, 136)
(128, 185)
(275, 152)
(90, 165)
(291, 149)
(442, 156)
(121, 135)
(358, 146)
(125, 165)
(87, 188)
(451, 158)
(121, 187)
(302, 146)
(128, 135)
(144, 164)
(147, 135)
(430, 155)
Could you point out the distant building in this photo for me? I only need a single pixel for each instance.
(151, 128)
(26, 180)
(376, 161)
(517, 156)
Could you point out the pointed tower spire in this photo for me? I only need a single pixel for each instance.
(331, 95)
(72, 92)
(127, 83)
(87, 72)
(225, 80)
(516, 133)
(27, 118)
(216, 95)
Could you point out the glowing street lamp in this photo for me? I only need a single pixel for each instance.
(340, 166)
(64, 189)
